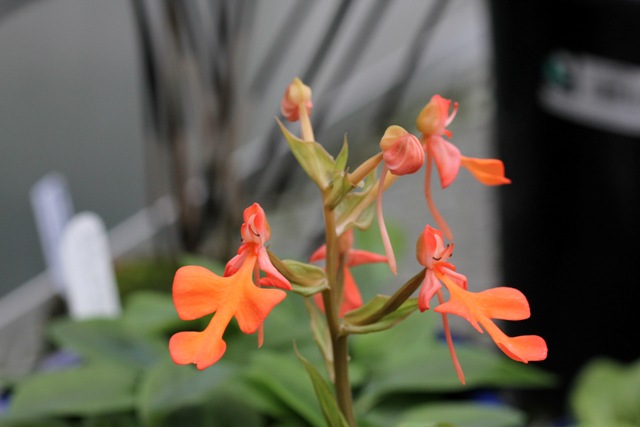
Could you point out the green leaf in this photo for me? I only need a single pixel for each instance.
(409, 359)
(30, 421)
(107, 340)
(607, 392)
(462, 414)
(282, 380)
(355, 318)
(173, 395)
(325, 395)
(150, 313)
(93, 389)
(313, 158)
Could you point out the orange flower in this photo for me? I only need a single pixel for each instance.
(477, 308)
(353, 257)
(432, 122)
(198, 292)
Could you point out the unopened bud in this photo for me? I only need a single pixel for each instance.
(402, 152)
(296, 94)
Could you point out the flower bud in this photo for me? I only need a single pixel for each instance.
(296, 94)
(401, 151)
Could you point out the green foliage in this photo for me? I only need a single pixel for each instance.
(127, 378)
(607, 392)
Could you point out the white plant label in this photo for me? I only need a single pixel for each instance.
(52, 209)
(87, 269)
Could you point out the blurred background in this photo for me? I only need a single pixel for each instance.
(132, 101)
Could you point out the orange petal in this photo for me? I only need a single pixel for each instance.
(197, 291)
(487, 171)
(359, 257)
(352, 298)
(524, 348)
(502, 303)
(428, 289)
(200, 348)
(254, 305)
(447, 158)
(320, 253)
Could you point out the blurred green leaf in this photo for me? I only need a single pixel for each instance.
(98, 388)
(206, 262)
(607, 392)
(286, 383)
(107, 340)
(172, 395)
(462, 414)
(325, 394)
(30, 421)
(408, 358)
(150, 313)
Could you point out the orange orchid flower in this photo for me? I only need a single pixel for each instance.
(353, 257)
(432, 122)
(198, 292)
(477, 308)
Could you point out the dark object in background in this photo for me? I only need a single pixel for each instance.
(567, 77)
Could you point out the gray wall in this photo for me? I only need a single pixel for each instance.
(69, 101)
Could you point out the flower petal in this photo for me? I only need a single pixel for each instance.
(254, 306)
(318, 254)
(447, 158)
(503, 303)
(198, 291)
(352, 298)
(429, 287)
(200, 348)
(358, 257)
(487, 171)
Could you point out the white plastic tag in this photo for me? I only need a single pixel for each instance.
(87, 268)
(52, 209)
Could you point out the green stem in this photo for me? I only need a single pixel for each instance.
(339, 342)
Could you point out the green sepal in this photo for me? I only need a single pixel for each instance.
(340, 183)
(313, 158)
(324, 393)
(306, 279)
(353, 319)
(356, 209)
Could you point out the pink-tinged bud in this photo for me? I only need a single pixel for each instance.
(296, 94)
(435, 117)
(402, 152)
